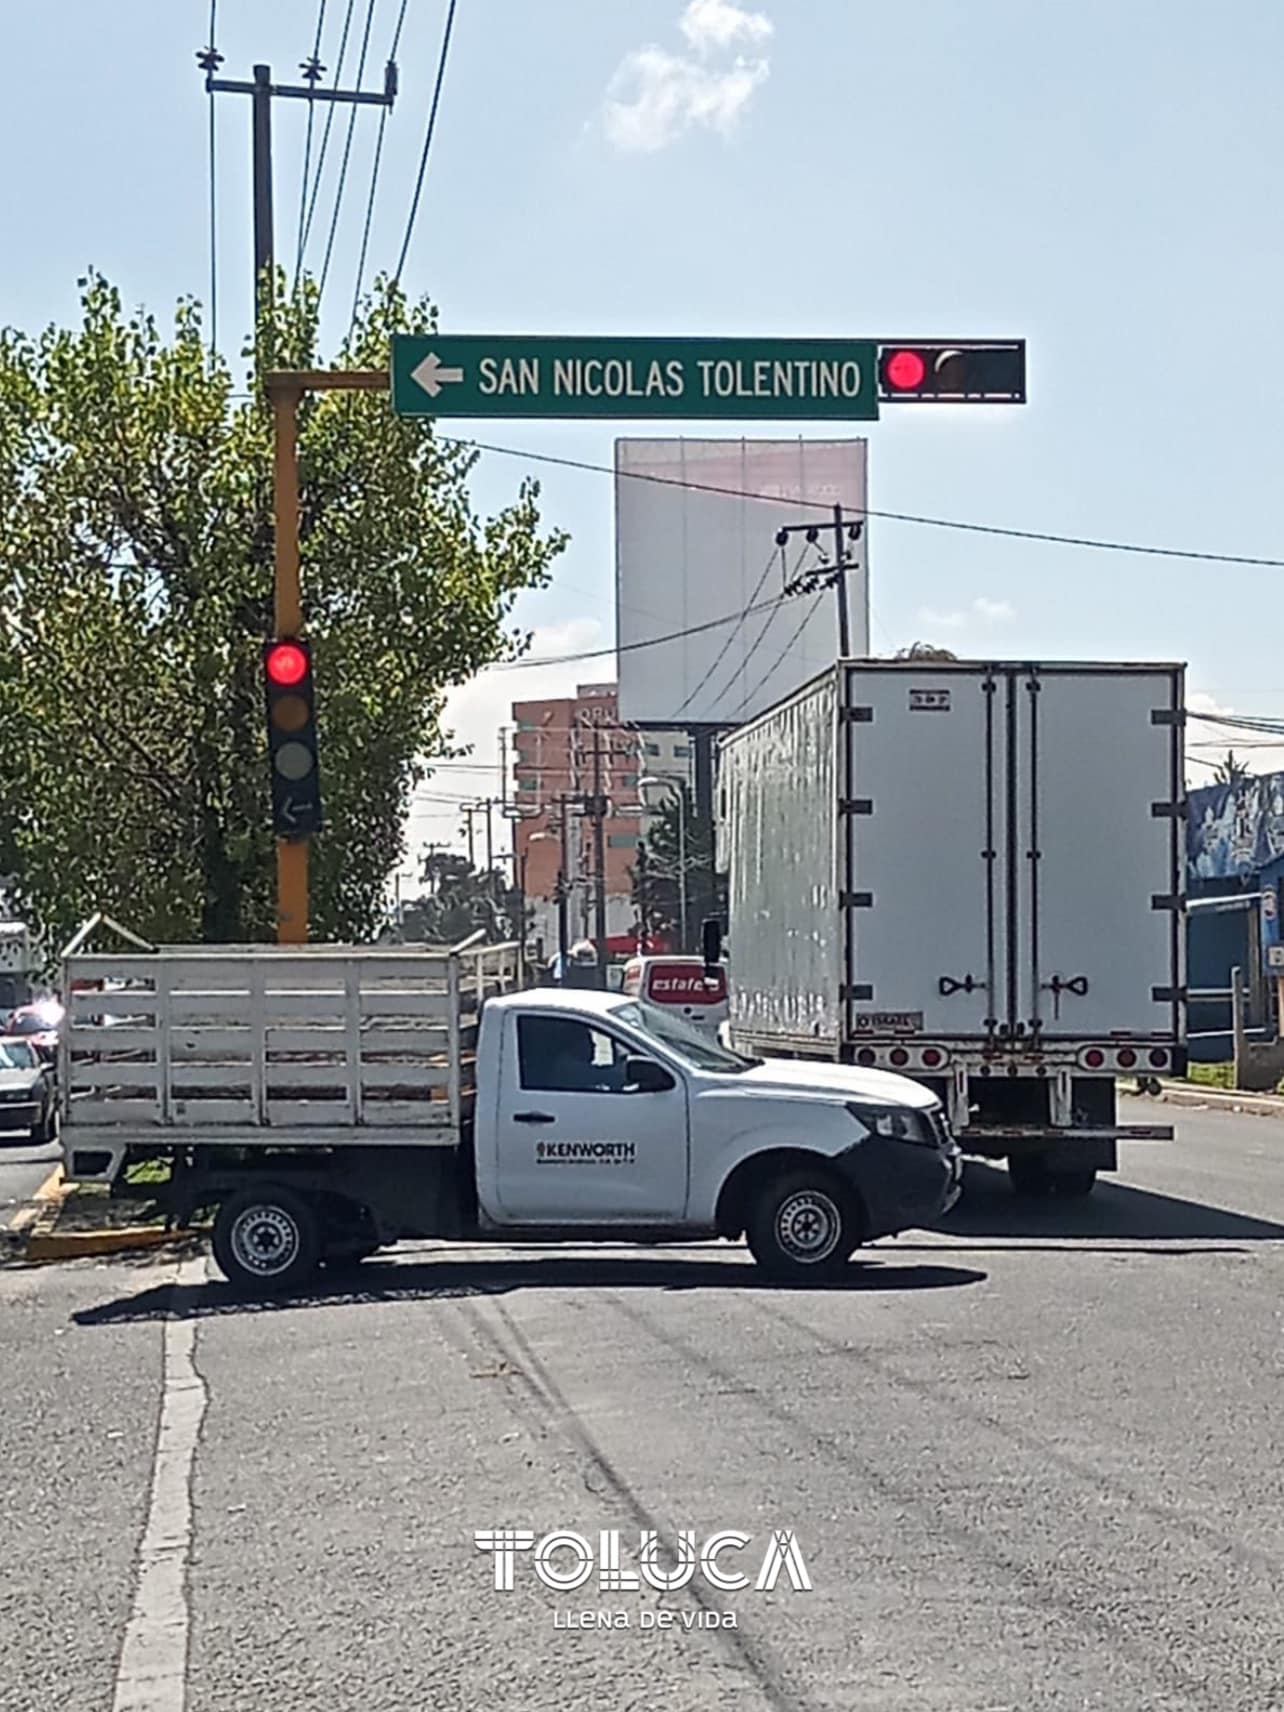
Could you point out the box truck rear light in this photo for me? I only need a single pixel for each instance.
(932, 1056)
(1158, 1058)
(899, 1056)
(1127, 1058)
(867, 1055)
(1094, 1058)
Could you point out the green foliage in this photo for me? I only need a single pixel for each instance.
(136, 577)
(656, 889)
(460, 900)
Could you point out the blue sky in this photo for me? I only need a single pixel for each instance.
(1099, 178)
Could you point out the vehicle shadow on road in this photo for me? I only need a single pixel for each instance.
(395, 1280)
(1113, 1210)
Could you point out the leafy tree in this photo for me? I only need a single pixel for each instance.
(460, 900)
(924, 651)
(136, 591)
(657, 892)
(1231, 771)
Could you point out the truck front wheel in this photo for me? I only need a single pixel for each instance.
(266, 1238)
(802, 1227)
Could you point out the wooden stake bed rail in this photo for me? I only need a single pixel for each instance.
(209, 1043)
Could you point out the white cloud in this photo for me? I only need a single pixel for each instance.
(711, 24)
(656, 96)
(993, 611)
(981, 611)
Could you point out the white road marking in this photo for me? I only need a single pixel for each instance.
(152, 1673)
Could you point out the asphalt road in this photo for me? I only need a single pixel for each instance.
(23, 1169)
(1031, 1462)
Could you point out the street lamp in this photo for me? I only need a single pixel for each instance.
(647, 782)
(563, 927)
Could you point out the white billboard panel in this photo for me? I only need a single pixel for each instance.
(702, 567)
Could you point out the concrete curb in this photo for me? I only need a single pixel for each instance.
(45, 1242)
(1223, 1100)
(82, 1245)
(54, 1188)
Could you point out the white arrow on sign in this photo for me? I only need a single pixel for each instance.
(432, 374)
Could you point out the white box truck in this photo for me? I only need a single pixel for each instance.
(327, 1101)
(973, 874)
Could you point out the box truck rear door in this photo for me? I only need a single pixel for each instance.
(925, 831)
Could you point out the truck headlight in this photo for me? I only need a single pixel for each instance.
(895, 1123)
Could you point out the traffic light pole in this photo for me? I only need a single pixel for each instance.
(285, 391)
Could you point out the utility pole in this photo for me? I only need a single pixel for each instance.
(641, 874)
(262, 91)
(599, 857)
(489, 806)
(285, 392)
(468, 811)
(563, 885)
(835, 576)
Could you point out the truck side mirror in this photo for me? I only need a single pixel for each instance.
(711, 942)
(645, 1076)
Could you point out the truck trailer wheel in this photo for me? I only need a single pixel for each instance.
(1031, 1175)
(266, 1239)
(802, 1227)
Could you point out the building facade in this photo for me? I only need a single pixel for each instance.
(566, 754)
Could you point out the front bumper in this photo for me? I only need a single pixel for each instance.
(903, 1185)
(19, 1115)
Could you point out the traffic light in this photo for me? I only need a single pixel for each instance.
(961, 373)
(292, 738)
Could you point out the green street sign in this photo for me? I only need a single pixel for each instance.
(776, 380)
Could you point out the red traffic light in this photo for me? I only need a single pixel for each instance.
(286, 664)
(905, 370)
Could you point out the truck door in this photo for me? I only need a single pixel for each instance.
(575, 1147)
(926, 810)
(1099, 876)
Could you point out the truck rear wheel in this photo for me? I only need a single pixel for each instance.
(266, 1239)
(1031, 1174)
(802, 1227)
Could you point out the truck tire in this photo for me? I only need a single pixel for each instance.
(1074, 1185)
(266, 1239)
(1031, 1175)
(803, 1227)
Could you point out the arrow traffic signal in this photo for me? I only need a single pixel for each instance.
(976, 372)
(292, 738)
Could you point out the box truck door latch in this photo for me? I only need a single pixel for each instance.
(969, 984)
(1077, 984)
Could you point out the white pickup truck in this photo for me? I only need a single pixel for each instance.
(329, 1101)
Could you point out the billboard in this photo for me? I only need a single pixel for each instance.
(705, 631)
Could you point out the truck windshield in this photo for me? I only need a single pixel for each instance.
(16, 1055)
(679, 1036)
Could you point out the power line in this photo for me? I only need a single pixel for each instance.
(325, 133)
(631, 647)
(805, 621)
(311, 71)
(428, 136)
(347, 151)
(1048, 536)
(721, 655)
(761, 638)
(374, 180)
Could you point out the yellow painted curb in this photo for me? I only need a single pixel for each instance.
(80, 1245)
(54, 1188)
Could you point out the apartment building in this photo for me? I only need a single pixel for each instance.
(566, 749)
